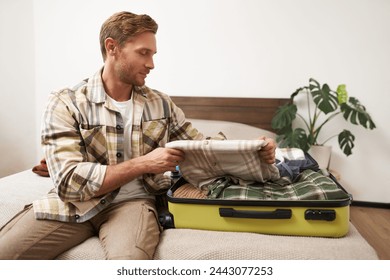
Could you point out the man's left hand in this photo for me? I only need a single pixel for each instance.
(267, 152)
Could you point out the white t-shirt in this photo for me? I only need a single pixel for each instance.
(133, 189)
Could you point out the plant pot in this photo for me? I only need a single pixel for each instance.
(322, 155)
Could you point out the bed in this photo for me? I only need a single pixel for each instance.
(237, 118)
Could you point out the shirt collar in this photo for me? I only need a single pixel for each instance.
(95, 88)
(96, 92)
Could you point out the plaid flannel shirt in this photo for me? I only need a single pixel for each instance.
(82, 133)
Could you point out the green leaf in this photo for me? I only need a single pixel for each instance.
(284, 116)
(295, 93)
(356, 113)
(346, 139)
(342, 94)
(297, 138)
(323, 97)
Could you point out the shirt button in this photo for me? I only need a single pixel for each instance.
(103, 201)
(118, 155)
(118, 127)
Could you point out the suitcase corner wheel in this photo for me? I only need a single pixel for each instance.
(166, 219)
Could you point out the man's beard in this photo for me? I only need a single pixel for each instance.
(125, 76)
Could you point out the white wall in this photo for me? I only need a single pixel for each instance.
(17, 114)
(250, 48)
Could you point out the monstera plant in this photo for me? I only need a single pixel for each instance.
(327, 105)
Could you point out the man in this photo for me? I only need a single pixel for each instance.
(103, 142)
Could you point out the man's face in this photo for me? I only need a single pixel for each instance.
(135, 59)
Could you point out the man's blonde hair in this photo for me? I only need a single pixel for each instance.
(124, 25)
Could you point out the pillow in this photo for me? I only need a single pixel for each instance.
(232, 130)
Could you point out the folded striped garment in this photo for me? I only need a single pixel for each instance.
(207, 160)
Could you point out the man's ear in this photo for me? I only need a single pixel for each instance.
(111, 46)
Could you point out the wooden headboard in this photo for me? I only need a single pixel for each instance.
(257, 112)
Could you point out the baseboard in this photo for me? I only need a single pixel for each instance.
(370, 204)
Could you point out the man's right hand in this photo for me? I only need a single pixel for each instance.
(161, 160)
(157, 161)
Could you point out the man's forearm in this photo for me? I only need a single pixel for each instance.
(157, 161)
(119, 174)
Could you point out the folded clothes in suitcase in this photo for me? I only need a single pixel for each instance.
(212, 194)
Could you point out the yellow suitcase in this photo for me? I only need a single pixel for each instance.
(325, 218)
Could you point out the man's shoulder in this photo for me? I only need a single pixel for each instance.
(151, 93)
(70, 92)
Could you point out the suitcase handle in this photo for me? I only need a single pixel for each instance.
(277, 214)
